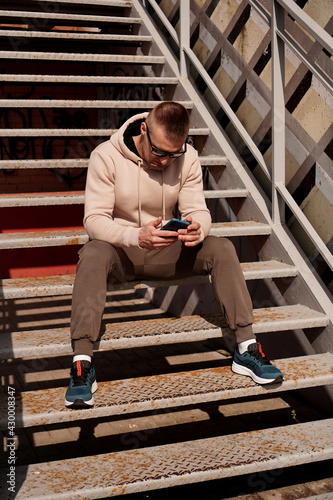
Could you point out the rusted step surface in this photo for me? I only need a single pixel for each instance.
(91, 37)
(58, 56)
(15, 16)
(32, 239)
(92, 80)
(219, 161)
(160, 467)
(56, 132)
(106, 3)
(32, 164)
(72, 197)
(79, 236)
(320, 496)
(63, 285)
(119, 397)
(42, 199)
(147, 332)
(77, 103)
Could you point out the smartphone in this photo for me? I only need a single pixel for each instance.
(175, 224)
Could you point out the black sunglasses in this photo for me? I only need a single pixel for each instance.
(159, 152)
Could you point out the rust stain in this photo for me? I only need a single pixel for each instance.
(268, 314)
(73, 241)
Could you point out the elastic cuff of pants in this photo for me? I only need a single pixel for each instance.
(244, 333)
(83, 346)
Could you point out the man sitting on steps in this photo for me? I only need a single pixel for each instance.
(135, 180)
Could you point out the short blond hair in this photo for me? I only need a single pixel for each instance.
(173, 117)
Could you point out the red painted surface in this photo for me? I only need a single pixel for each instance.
(49, 261)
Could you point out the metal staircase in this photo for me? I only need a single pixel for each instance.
(94, 63)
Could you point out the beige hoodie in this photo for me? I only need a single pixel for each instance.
(123, 194)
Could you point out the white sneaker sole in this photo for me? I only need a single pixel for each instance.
(242, 370)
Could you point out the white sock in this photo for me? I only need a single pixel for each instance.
(81, 357)
(242, 346)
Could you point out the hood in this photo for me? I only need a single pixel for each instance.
(118, 142)
(117, 139)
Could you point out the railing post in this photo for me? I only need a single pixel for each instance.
(278, 112)
(184, 34)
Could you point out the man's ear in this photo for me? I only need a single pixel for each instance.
(143, 127)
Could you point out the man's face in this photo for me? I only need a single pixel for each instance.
(155, 140)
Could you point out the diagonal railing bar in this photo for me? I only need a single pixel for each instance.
(307, 226)
(278, 114)
(301, 54)
(261, 11)
(165, 21)
(307, 23)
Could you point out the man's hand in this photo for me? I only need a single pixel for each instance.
(190, 236)
(155, 239)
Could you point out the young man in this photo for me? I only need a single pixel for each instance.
(135, 180)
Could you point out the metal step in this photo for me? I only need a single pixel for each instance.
(27, 164)
(75, 57)
(226, 193)
(240, 228)
(14, 15)
(106, 3)
(47, 286)
(67, 103)
(43, 199)
(213, 160)
(91, 37)
(30, 239)
(83, 163)
(56, 132)
(63, 285)
(160, 467)
(147, 332)
(107, 80)
(119, 397)
(75, 198)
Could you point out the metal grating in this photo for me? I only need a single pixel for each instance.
(62, 285)
(120, 397)
(130, 334)
(159, 467)
(79, 236)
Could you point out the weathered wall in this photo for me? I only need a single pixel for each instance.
(233, 43)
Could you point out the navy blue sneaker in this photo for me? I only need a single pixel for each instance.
(82, 385)
(256, 365)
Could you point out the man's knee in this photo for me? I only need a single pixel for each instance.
(98, 253)
(220, 247)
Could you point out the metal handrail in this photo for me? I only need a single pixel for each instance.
(280, 195)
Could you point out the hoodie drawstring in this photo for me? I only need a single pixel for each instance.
(139, 196)
(163, 200)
